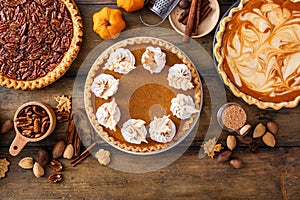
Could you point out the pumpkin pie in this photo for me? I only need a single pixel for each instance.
(258, 49)
(38, 41)
(148, 111)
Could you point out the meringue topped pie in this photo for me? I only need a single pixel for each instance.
(258, 50)
(38, 41)
(143, 95)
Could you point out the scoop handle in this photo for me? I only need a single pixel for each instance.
(17, 145)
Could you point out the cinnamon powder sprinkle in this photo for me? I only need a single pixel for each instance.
(234, 117)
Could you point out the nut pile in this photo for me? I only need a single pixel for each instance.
(38, 167)
(33, 121)
(265, 132)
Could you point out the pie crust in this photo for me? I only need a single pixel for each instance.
(141, 93)
(66, 58)
(257, 60)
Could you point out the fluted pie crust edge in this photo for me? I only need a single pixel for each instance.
(89, 106)
(219, 58)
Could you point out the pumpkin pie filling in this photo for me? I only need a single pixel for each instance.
(258, 51)
(143, 96)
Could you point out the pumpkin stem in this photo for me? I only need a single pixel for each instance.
(107, 23)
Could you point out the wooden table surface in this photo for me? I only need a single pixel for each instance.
(270, 173)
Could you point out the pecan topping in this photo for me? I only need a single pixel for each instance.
(34, 36)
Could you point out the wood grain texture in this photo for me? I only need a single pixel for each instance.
(271, 173)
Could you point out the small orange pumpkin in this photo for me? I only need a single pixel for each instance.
(130, 5)
(108, 23)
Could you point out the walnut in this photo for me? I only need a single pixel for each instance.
(64, 103)
(211, 146)
(3, 167)
(103, 156)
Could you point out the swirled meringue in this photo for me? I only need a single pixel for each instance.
(121, 61)
(180, 77)
(153, 59)
(162, 129)
(183, 106)
(104, 86)
(134, 131)
(109, 114)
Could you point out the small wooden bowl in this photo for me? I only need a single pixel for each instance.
(20, 140)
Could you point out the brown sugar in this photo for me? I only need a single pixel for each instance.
(234, 117)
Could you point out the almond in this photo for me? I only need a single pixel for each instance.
(38, 170)
(26, 163)
(272, 127)
(269, 139)
(231, 142)
(259, 130)
(69, 151)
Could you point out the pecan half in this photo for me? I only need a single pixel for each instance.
(56, 165)
(55, 178)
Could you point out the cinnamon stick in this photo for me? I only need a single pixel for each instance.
(189, 26)
(76, 143)
(83, 155)
(197, 21)
(206, 13)
(183, 15)
(70, 131)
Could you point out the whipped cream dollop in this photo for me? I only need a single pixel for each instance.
(263, 53)
(121, 61)
(183, 106)
(153, 59)
(180, 77)
(109, 114)
(104, 86)
(134, 131)
(162, 129)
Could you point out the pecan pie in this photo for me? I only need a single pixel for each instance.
(39, 39)
(258, 50)
(133, 96)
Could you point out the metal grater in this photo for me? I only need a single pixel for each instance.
(162, 7)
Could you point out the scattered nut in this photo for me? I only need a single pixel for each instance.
(26, 163)
(231, 142)
(272, 127)
(244, 130)
(58, 149)
(259, 130)
(38, 170)
(43, 157)
(224, 156)
(55, 177)
(69, 151)
(56, 165)
(6, 126)
(103, 156)
(247, 139)
(236, 163)
(269, 139)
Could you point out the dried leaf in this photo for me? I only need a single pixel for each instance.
(103, 156)
(64, 103)
(211, 146)
(3, 167)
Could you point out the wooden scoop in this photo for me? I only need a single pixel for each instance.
(20, 140)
